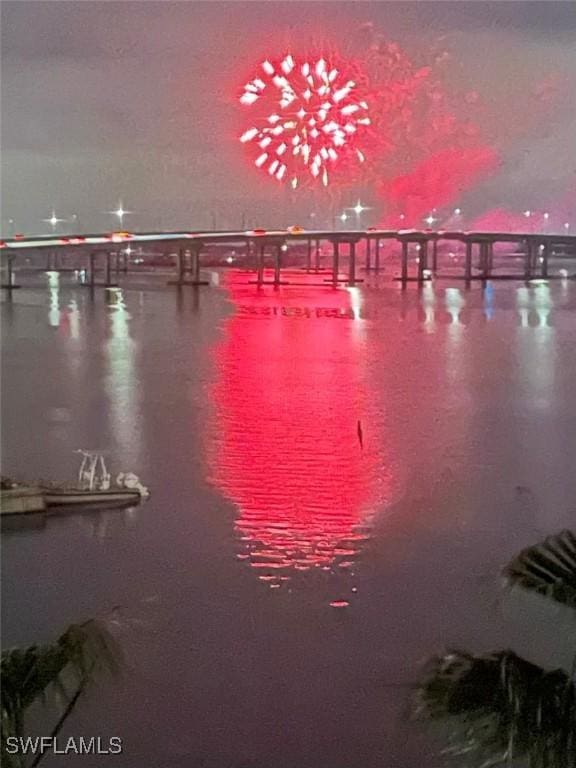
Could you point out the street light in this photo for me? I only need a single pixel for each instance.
(120, 212)
(53, 221)
(358, 208)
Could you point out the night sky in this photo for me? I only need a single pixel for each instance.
(138, 101)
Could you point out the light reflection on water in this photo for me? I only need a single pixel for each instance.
(121, 384)
(240, 408)
(285, 444)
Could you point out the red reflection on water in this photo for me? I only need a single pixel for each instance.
(290, 390)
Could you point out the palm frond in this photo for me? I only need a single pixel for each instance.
(60, 669)
(501, 708)
(548, 568)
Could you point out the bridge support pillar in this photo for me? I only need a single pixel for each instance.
(309, 255)
(188, 273)
(545, 257)
(92, 270)
(368, 254)
(108, 279)
(317, 256)
(260, 278)
(277, 265)
(352, 264)
(180, 265)
(8, 283)
(528, 259)
(335, 262)
(468, 262)
(422, 260)
(404, 275)
(377, 255)
(434, 256)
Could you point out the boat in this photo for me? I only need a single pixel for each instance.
(16, 498)
(94, 486)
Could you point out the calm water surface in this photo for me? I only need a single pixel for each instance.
(281, 589)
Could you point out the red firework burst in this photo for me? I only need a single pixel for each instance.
(311, 117)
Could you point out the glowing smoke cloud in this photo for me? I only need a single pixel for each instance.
(311, 117)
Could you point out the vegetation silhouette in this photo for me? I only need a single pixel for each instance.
(501, 708)
(55, 674)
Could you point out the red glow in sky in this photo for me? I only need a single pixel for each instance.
(437, 181)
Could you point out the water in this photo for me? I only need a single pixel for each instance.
(282, 587)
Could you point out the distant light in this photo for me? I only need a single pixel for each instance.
(402, 217)
(546, 215)
(457, 211)
(53, 220)
(120, 212)
(527, 214)
(128, 251)
(430, 220)
(284, 247)
(358, 208)
(567, 225)
(230, 259)
(344, 217)
(563, 273)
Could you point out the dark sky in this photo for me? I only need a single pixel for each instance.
(136, 101)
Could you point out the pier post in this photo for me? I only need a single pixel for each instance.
(352, 265)
(377, 255)
(317, 256)
(335, 262)
(468, 263)
(368, 254)
(404, 261)
(92, 269)
(309, 256)
(277, 265)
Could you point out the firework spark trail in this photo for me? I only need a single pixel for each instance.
(312, 117)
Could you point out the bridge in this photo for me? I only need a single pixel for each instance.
(420, 247)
